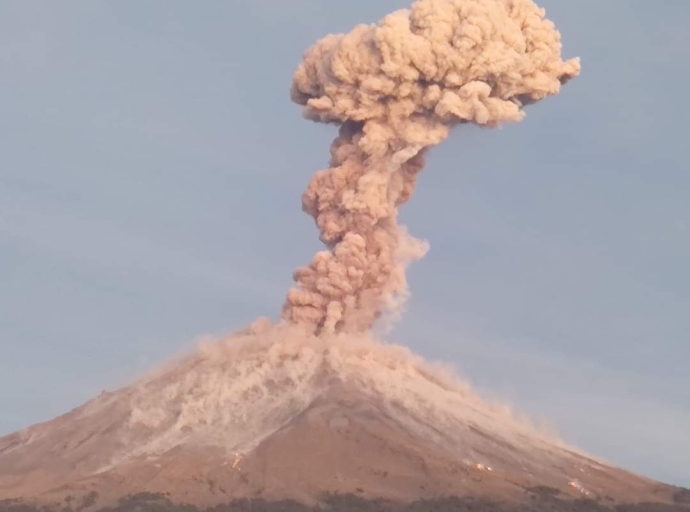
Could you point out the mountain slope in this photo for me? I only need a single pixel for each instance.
(273, 414)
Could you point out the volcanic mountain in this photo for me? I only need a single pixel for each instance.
(271, 417)
(312, 413)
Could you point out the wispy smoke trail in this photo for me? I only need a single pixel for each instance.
(396, 89)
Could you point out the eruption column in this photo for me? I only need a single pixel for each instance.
(396, 89)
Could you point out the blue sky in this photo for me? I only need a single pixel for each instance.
(150, 180)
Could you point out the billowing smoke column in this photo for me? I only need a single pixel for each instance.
(396, 89)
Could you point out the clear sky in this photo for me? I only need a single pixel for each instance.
(151, 167)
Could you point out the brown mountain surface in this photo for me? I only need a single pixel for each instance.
(272, 415)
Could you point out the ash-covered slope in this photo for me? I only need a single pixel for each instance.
(275, 414)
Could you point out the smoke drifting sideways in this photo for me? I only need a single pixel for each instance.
(396, 89)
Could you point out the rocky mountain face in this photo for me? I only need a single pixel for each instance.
(270, 419)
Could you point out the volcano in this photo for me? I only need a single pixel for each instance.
(312, 412)
(270, 418)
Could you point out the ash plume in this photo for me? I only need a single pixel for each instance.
(395, 89)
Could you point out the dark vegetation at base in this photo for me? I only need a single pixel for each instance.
(682, 496)
(543, 499)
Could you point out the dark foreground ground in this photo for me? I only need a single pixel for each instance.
(542, 499)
